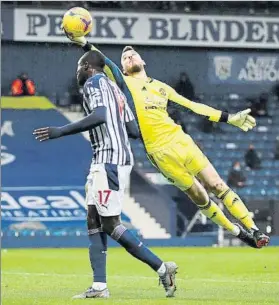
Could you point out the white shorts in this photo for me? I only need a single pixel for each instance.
(105, 187)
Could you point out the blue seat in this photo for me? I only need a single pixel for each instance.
(273, 192)
(267, 164)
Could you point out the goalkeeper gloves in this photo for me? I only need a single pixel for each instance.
(81, 41)
(242, 120)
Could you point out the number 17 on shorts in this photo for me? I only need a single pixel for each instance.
(105, 188)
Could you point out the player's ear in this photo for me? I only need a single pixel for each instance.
(123, 70)
(86, 66)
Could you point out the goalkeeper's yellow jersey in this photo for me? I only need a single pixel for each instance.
(149, 99)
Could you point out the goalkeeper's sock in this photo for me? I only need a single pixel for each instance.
(98, 256)
(237, 208)
(135, 247)
(213, 212)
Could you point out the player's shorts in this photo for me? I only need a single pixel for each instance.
(105, 187)
(180, 161)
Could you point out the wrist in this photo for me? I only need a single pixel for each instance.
(86, 47)
(59, 132)
(224, 117)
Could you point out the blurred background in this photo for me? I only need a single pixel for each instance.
(223, 54)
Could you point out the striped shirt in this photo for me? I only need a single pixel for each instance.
(109, 141)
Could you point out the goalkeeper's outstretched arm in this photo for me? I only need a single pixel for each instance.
(241, 119)
(111, 69)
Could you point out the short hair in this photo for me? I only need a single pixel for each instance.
(95, 59)
(128, 48)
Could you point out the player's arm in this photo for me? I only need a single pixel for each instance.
(94, 119)
(241, 119)
(97, 116)
(131, 124)
(111, 69)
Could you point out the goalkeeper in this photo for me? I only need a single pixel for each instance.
(173, 152)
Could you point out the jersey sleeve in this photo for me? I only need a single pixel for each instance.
(112, 70)
(94, 119)
(94, 92)
(128, 114)
(201, 109)
(130, 123)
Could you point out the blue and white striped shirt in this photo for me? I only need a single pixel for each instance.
(109, 141)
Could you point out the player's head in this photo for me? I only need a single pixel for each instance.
(89, 64)
(131, 61)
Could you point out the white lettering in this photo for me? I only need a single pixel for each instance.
(79, 213)
(242, 75)
(18, 214)
(79, 198)
(33, 202)
(262, 68)
(7, 129)
(8, 202)
(48, 208)
(154, 29)
(6, 214)
(33, 214)
(65, 213)
(62, 202)
(44, 213)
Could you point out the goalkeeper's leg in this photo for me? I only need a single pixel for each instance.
(209, 208)
(212, 181)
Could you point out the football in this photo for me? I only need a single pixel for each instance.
(77, 22)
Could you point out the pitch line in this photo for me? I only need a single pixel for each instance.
(139, 277)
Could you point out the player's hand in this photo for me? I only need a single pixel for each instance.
(242, 120)
(81, 41)
(47, 133)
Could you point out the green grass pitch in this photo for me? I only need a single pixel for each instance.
(206, 276)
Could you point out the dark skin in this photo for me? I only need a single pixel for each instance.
(46, 133)
(84, 71)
